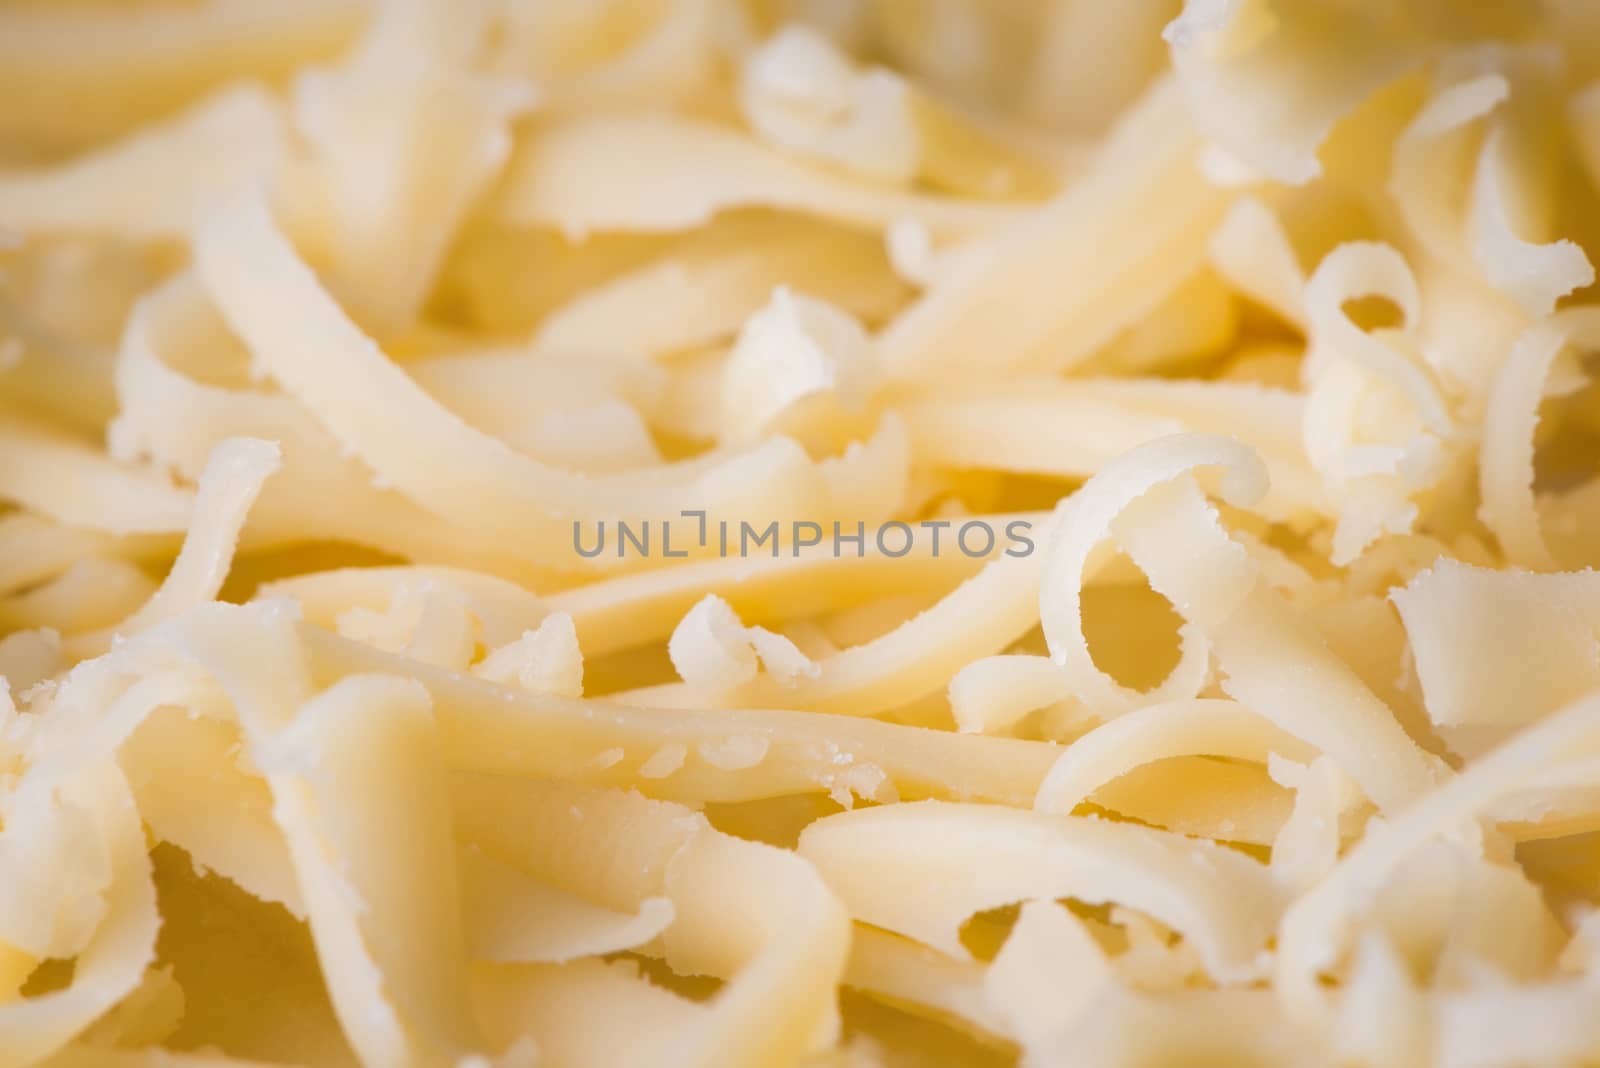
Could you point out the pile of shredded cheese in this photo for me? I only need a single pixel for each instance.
(380, 684)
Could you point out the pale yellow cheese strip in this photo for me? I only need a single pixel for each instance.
(62, 478)
(663, 172)
(1128, 231)
(129, 189)
(883, 864)
(106, 70)
(114, 960)
(319, 355)
(360, 795)
(496, 729)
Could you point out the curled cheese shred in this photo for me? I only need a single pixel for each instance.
(992, 694)
(1430, 180)
(872, 858)
(799, 93)
(546, 660)
(399, 1001)
(797, 955)
(426, 622)
(1357, 270)
(1088, 517)
(1316, 926)
(1087, 422)
(794, 351)
(228, 487)
(1264, 651)
(1535, 274)
(1498, 649)
(1506, 457)
(177, 420)
(1155, 732)
(1269, 80)
(1374, 457)
(912, 660)
(712, 649)
(112, 961)
(318, 358)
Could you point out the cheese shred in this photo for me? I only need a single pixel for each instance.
(791, 534)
